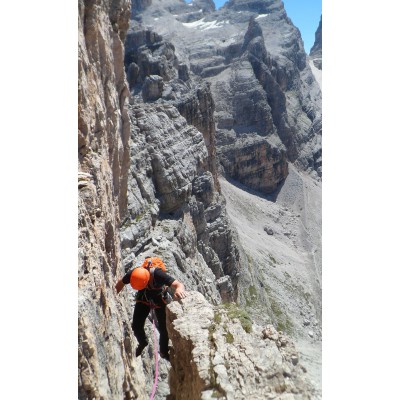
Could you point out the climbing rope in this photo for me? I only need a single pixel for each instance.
(156, 355)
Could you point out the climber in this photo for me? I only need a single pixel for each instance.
(151, 284)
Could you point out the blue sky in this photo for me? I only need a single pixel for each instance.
(305, 14)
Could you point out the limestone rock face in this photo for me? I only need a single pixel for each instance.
(213, 356)
(107, 368)
(253, 58)
(176, 151)
(261, 6)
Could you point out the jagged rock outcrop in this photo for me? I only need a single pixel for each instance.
(316, 50)
(152, 88)
(197, 106)
(216, 355)
(148, 54)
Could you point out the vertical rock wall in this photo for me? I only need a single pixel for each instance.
(107, 368)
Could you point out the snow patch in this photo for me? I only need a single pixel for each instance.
(204, 25)
(261, 16)
(214, 25)
(193, 24)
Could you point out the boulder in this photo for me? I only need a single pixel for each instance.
(152, 88)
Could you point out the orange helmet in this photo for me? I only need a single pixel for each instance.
(140, 278)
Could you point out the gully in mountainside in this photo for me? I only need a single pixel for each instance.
(151, 281)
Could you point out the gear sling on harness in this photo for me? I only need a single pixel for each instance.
(153, 392)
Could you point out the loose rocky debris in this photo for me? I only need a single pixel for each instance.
(268, 230)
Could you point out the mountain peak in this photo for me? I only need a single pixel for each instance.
(205, 5)
(316, 50)
(258, 6)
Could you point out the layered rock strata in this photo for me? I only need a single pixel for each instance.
(256, 163)
(215, 356)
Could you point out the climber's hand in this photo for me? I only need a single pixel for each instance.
(180, 292)
(119, 286)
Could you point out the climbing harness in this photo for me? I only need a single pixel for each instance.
(155, 352)
(166, 297)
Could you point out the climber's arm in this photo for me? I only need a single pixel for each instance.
(123, 281)
(179, 290)
(119, 286)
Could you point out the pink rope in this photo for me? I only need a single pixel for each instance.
(156, 356)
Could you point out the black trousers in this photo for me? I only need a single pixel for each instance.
(139, 318)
